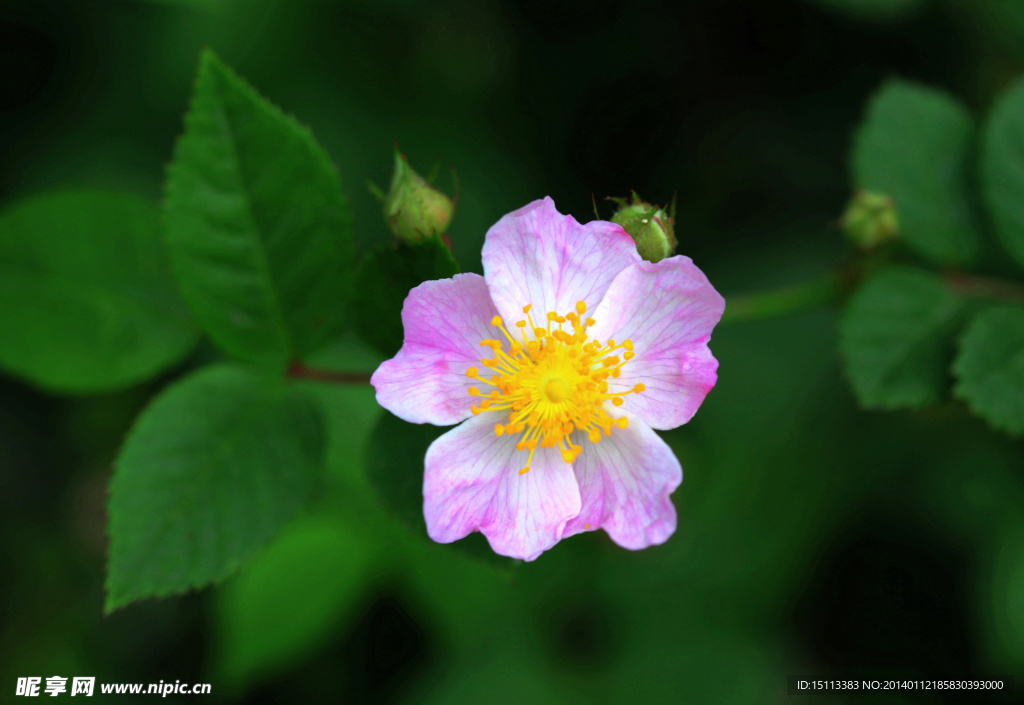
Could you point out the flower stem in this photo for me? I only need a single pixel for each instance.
(831, 287)
(984, 287)
(786, 301)
(296, 370)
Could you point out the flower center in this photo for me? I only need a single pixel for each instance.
(556, 390)
(553, 381)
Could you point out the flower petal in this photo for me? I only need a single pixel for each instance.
(625, 482)
(472, 483)
(444, 320)
(538, 256)
(668, 310)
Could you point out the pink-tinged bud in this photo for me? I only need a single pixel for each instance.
(413, 209)
(870, 220)
(650, 226)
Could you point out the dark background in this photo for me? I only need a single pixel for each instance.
(813, 538)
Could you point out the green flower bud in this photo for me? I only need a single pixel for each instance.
(413, 210)
(870, 220)
(650, 227)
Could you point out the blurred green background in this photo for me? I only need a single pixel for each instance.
(813, 538)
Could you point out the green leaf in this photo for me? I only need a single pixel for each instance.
(1002, 169)
(914, 145)
(385, 279)
(990, 368)
(210, 472)
(394, 465)
(896, 338)
(86, 300)
(290, 599)
(257, 226)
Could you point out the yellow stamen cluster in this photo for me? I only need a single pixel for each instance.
(553, 380)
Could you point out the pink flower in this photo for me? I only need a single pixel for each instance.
(589, 349)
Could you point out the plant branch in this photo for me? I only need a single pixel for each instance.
(296, 370)
(984, 287)
(786, 301)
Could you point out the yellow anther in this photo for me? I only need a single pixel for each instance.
(628, 355)
(526, 308)
(622, 422)
(628, 344)
(639, 387)
(551, 382)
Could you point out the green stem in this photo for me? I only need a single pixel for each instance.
(784, 302)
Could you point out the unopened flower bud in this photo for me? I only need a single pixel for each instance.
(650, 227)
(870, 220)
(413, 209)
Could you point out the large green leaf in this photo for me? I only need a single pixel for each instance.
(1002, 169)
(394, 465)
(914, 145)
(385, 279)
(290, 599)
(990, 367)
(86, 301)
(896, 338)
(257, 225)
(210, 472)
